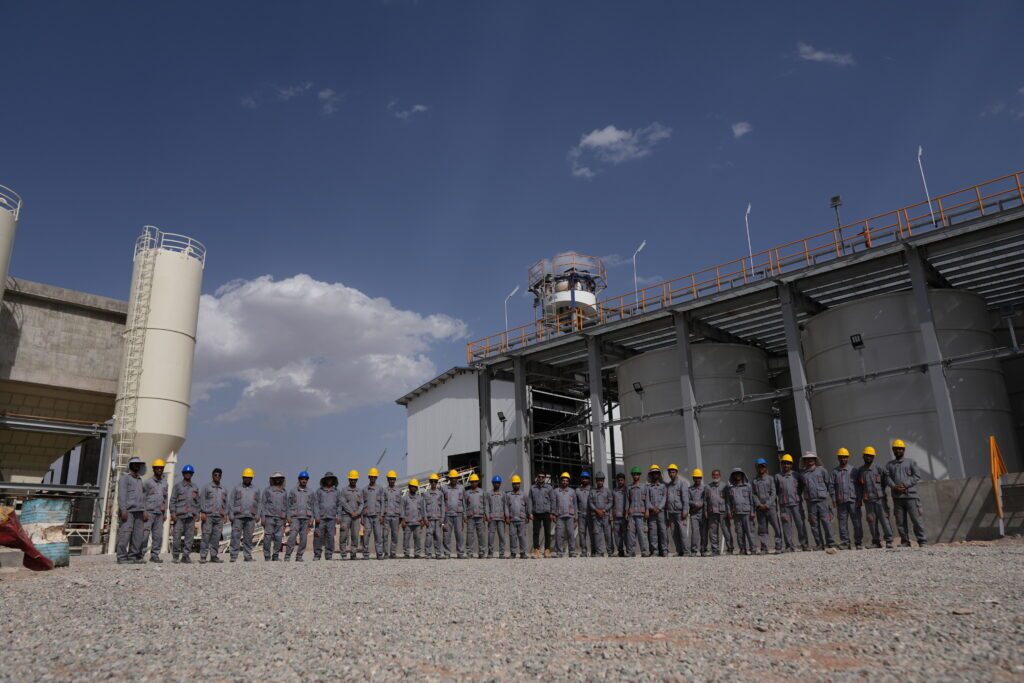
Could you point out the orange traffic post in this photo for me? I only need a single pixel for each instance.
(998, 470)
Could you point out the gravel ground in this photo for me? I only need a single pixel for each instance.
(952, 613)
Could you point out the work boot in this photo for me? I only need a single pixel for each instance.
(185, 559)
(202, 560)
(234, 559)
(248, 559)
(216, 560)
(156, 559)
(547, 552)
(888, 545)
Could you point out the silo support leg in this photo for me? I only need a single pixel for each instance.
(797, 372)
(522, 444)
(933, 355)
(596, 405)
(484, 397)
(691, 429)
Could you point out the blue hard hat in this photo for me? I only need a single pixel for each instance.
(187, 468)
(495, 479)
(585, 475)
(760, 461)
(303, 474)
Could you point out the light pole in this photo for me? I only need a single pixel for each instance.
(636, 287)
(920, 165)
(835, 203)
(750, 249)
(510, 295)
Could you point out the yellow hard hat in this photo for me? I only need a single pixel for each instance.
(247, 472)
(434, 477)
(673, 467)
(516, 479)
(697, 472)
(414, 482)
(898, 443)
(474, 477)
(373, 472)
(786, 457)
(564, 475)
(654, 468)
(869, 450)
(452, 474)
(842, 452)
(353, 474)
(392, 474)
(159, 463)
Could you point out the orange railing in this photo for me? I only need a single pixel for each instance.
(984, 199)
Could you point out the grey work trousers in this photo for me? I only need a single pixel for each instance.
(412, 541)
(564, 538)
(636, 531)
(496, 537)
(766, 518)
(372, 527)
(744, 523)
(435, 538)
(848, 513)
(453, 525)
(273, 537)
(601, 536)
(131, 536)
(878, 522)
(323, 538)
(154, 533)
(909, 508)
(657, 533)
(819, 513)
(476, 530)
(297, 537)
(677, 530)
(392, 523)
(583, 539)
(620, 535)
(517, 538)
(698, 533)
(182, 535)
(793, 532)
(348, 536)
(209, 542)
(241, 534)
(719, 526)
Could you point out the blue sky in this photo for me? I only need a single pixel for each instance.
(336, 155)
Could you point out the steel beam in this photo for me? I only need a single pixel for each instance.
(936, 373)
(691, 428)
(597, 451)
(520, 419)
(797, 372)
(483, 384)
(99, 512)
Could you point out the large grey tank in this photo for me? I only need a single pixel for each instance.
(901, 407)
(732, 436)
(1013, 373)
(10, 208)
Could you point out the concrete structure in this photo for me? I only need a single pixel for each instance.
(965, 509)
(60, 352)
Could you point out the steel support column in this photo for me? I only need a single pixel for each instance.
(691, 428)
(483, 384)
(936, 373)
(522, 444)
(594, 379)
(797, 373)
(99, 513)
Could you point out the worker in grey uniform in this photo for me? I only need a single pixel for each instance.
(184, 507)
(476, 515)
(373, 512)
(243, 510)
(901, 476)
(600, 514)
(698, 514)
(657, 528)
(563, 514)
(871, 495)
(412, 520)
(766, 506)
(540, 503)
(213, 510)
(818, 493)
(740, 506)
(620, 520)
(273, 513)
(300, 512)
(326, 507)
(583, 514)
(496, 518)
(844, 495)
(434, 512)
(636, 514)
(131, 514)
(787, 488)
(517, 515)
(392, 505)
(454, 516)
(677, 509)
(351, 504)
(155, 490)
(718, 523)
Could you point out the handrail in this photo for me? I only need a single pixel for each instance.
(982, 199)
(155, 238)
(10, 201)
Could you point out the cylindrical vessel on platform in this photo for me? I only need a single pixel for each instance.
(10, 210)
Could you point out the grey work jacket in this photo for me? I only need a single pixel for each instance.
(185, 499)
(843, 485)
(476, 505)
(517, 506)
(601, 499)
(698, 495)
(740, 499)
(412, 509)
(156, 494)
(620, 502)
(902, 472)
(583, 494)
(351, 501)
(817, 484)
(564, 502)
(454, 500)
(714, 498)
(130, 494)
(392, 501)
(300, 503)
(274, 502)
(657, 496)
(213, 500)
(764, 491)
(540, 499)
(870, 483)
(677, 497)
(494, 505)
(326, 503)
(245, 502)
(373, 501)
(636, 499)
(787, 486)
(433, 504)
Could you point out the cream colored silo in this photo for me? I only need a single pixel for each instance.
(10, 208)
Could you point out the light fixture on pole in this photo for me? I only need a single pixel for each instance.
(920, 165)
(510, 295)
(750, 249)
(639, 389)
(835, 203)
(636, 288)
(502, 419)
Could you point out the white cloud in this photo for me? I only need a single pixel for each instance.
(302, 348)
(287, 92)
(406, 114)
(329, 101)
(741, 128)
(611, 145)
(812, 54)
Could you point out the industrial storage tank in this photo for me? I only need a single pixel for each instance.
(732, 436)
(10, 209)
(902, 406)
(1013, 373)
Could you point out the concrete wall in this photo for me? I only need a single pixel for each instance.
(959, 509)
